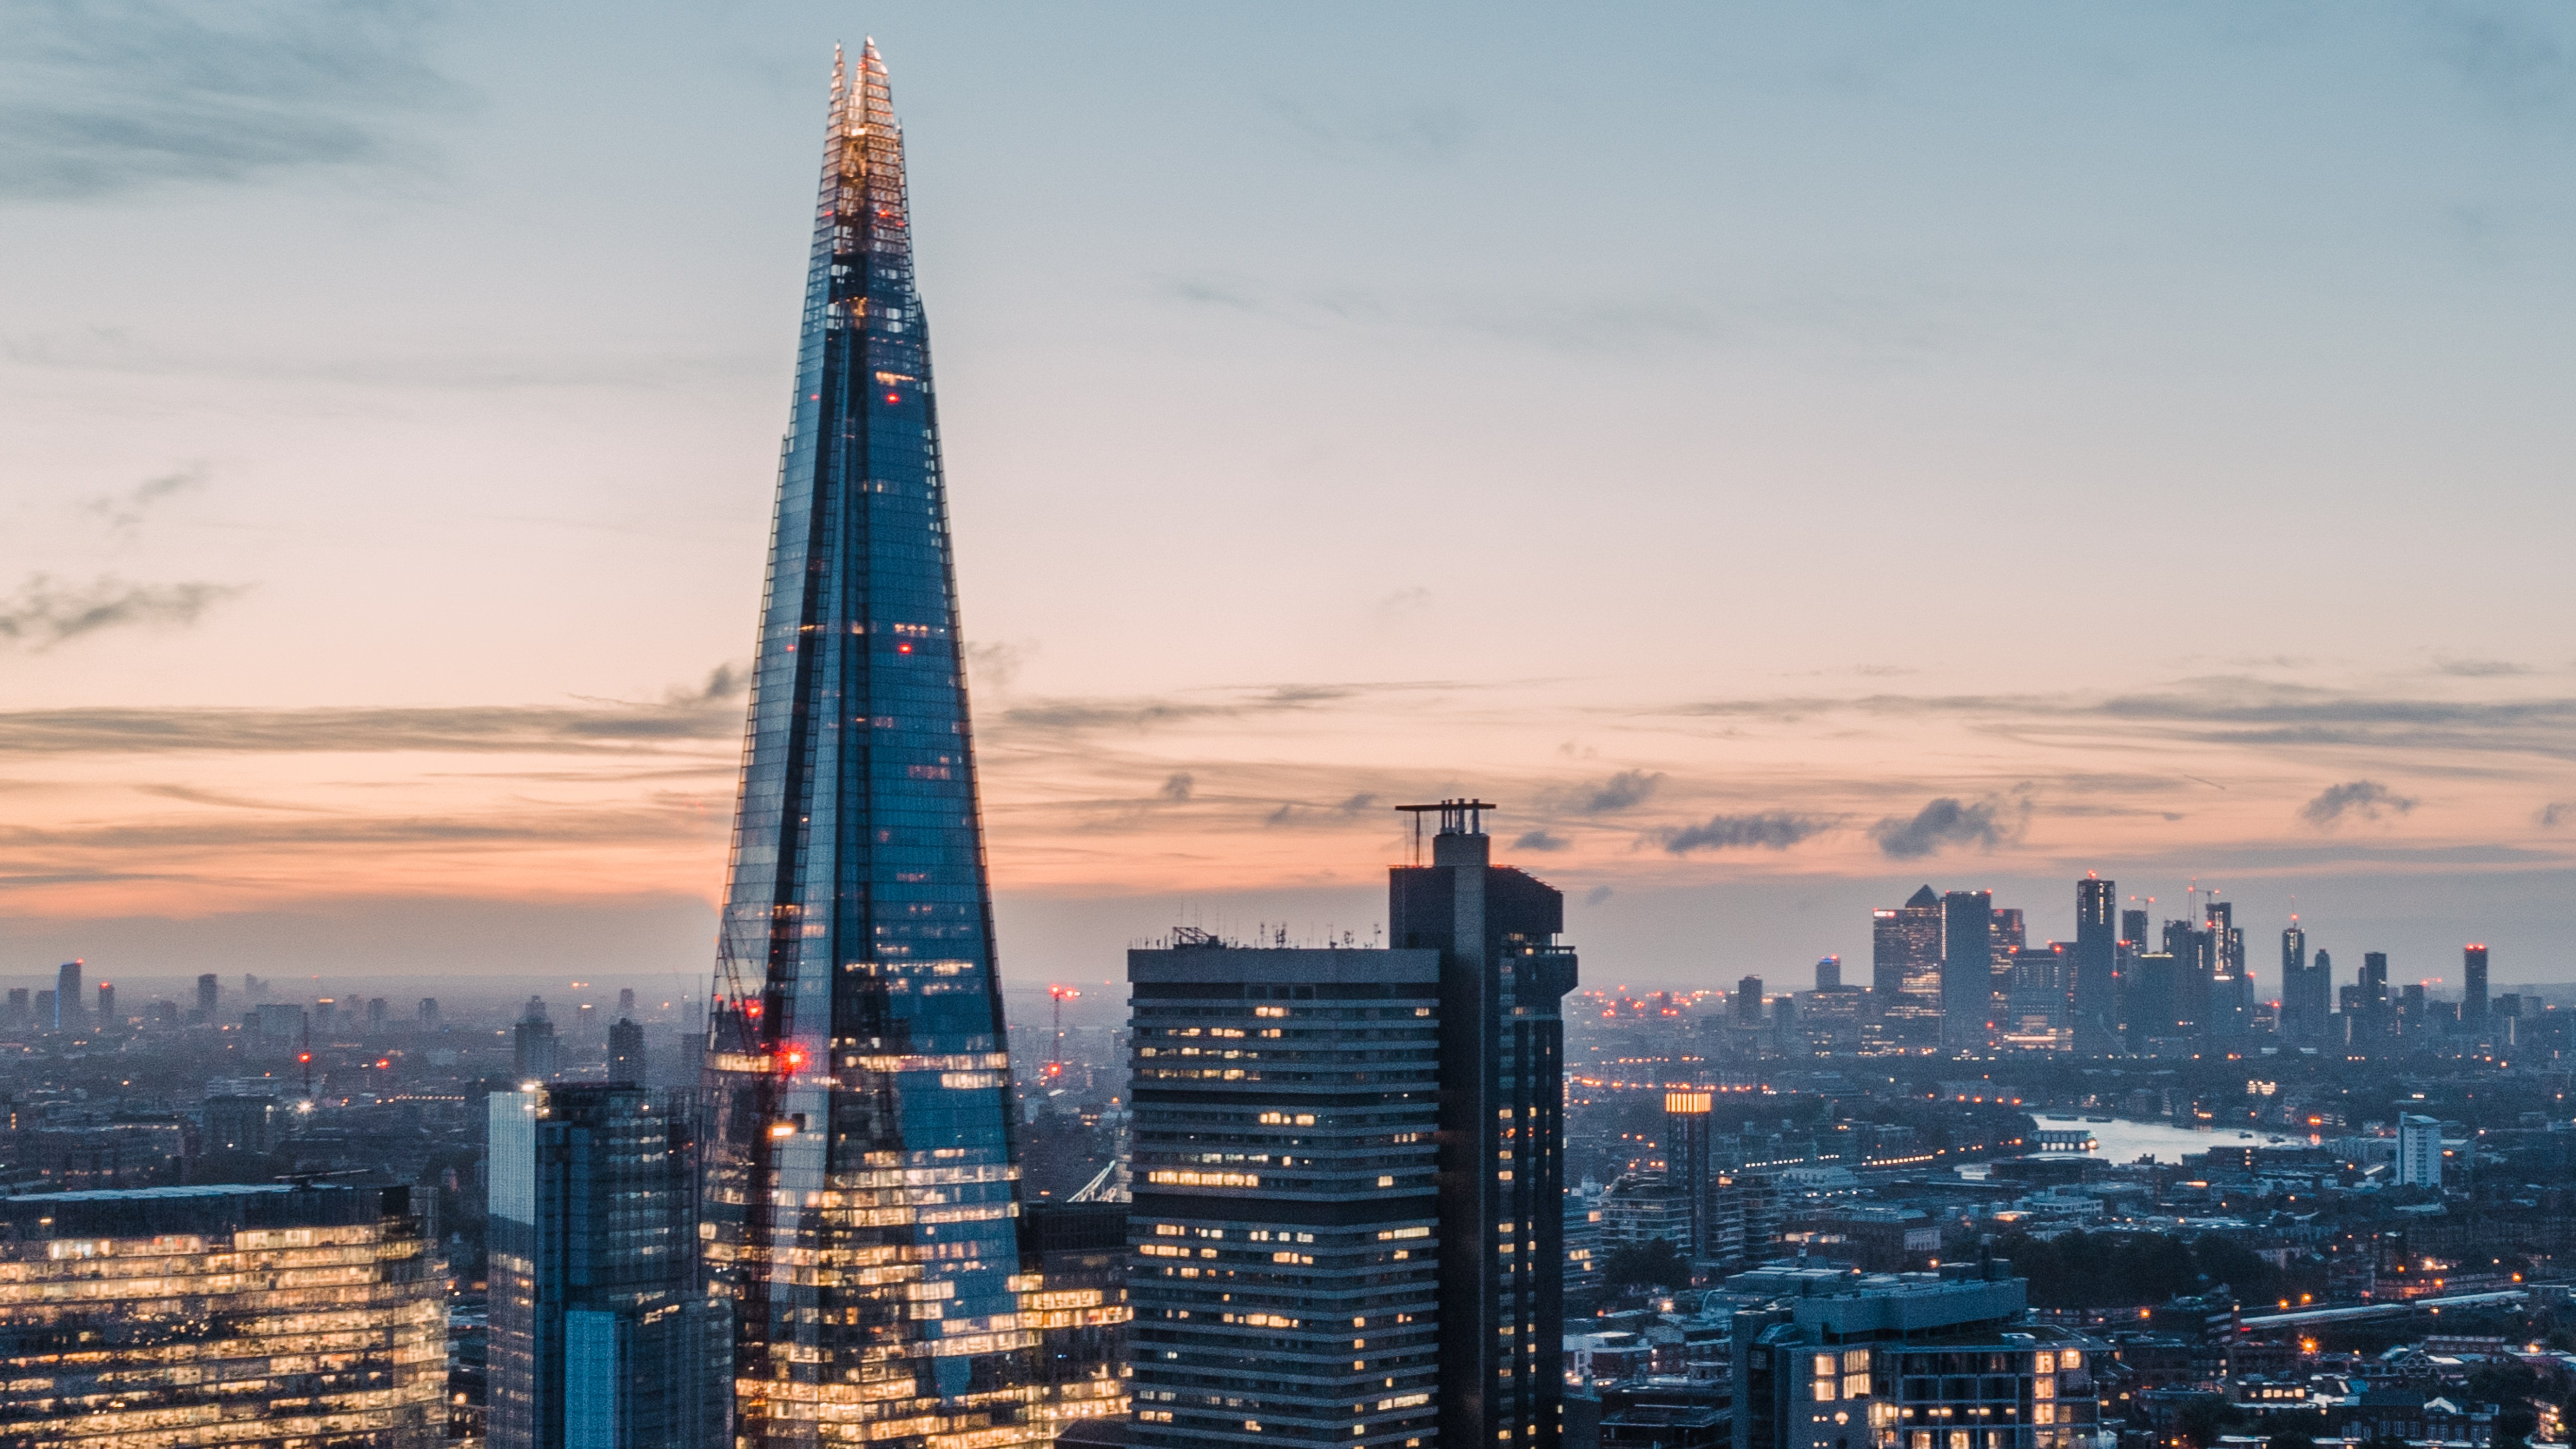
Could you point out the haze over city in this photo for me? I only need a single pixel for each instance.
(1781, 458)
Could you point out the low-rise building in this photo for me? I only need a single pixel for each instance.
(331, 1320)
(1844, 1360)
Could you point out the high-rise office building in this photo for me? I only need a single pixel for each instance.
(2419, 1151)
(626, 1052)
(536, 1054)
(242, 1316)
(67, 998)
(1285, 1214)
(2230, 1004)
(1829, 973)
(2307, 992)
(861, 1187)
(375, 1014)
(429, 1013)
(108, 1020)
(2473, 994)
(2155, 1003)
(2006, 934)
(20, 1015)
(1502, 1104)
(2095, 999)
(210, 995)
(2007, 927)
(2133, 928)
(1967, 969)
(2194, 962)
(1905, 966)
(2377, 1019)
(626, 1002)
(1405, 1279)
(600, 1337)
(2039, 996)
(1748, 1001)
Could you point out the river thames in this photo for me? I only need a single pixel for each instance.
(2124, 1141)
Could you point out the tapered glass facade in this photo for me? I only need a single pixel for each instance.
(861, 1197)
(214, 1317)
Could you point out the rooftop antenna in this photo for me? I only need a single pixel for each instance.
(1457, 817)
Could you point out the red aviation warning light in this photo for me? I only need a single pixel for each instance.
(1059, 995)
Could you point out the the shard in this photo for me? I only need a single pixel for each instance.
(861, 1209)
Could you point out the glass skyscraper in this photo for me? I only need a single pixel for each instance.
(599, 1337)
(861, 1200)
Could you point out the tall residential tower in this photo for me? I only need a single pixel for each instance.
(861, 1184)
(2096, 1005)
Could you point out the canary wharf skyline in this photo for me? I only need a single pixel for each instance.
(1781, 459)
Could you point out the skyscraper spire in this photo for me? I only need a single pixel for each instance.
(862, 1199)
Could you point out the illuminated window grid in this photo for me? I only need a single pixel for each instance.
(1285, 1267)
(264, 1336)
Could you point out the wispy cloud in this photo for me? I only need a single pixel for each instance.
(118, 350)
(123, 511)
(46, 612)
(996, 664)
(2509, 62)
(724, 682)
(1135, 714)
(1422, 134)
(108, 98)
(1622, 791)
(473, 729)
(1898, 325)
(1768, 830)
(1540, 840)
(1177, 787)
(190, 794)
(2225, 709)
(1943, 823)
(2368, 799)
(1401, 605)
(2479, 668)
(645, 823)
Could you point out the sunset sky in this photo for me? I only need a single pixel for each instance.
(1781, 456)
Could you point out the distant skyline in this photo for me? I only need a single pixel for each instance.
(1783, 458)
